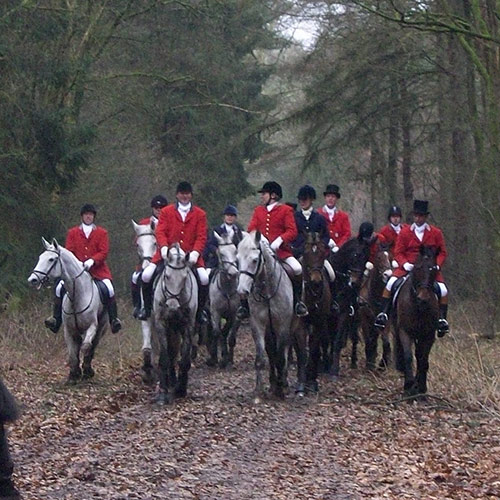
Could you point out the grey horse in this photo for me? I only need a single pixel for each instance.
(174, 312)
(84, 316)
(270, 297)
(224, 301)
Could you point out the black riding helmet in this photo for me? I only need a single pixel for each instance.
(394, 211)
(365, 231)
(159, 201)
(88, 207)
(306, 192)
(272, 187)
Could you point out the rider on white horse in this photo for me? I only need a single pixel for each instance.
(184, 223)
(276, 222)
(157, 203)
(90, 244)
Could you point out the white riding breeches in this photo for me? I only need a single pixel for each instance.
(148, 272)
(135, 277)
(106, 281)
(294, 265)
(203, 275)
(329, 270)
(393, 279)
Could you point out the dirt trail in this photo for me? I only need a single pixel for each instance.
(107, 440)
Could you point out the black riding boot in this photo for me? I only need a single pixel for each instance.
(147, 297)
(383, 316)
(299, 306)
(243, 311)
(334, 305)
(54, 322)
(7, 489)
(115, 323)
(135, 289)
(201, 313)
(443, 326)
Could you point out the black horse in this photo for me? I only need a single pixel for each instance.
(349, 266)
(415, 321)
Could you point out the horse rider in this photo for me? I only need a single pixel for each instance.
(229, 226)
(366, 233)
(157, 203)
(275, 220)
(308, 220)
(184, 223)
(408, 244)
(338, 223)
(90, 244)
(8, 413)
(391, 230)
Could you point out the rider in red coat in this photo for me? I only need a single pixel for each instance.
(408, 244)
(186, 224)
(90, 244)
(337, 221)
(276, 222)
(391, 231)
(157, 203)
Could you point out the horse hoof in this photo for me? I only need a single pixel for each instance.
(88, 373)
(85, 349)
(163, 399)
(211, 362)
(147, 376)
(180, 393)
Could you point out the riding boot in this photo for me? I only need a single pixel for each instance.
(243, 311)
(334, 305)
(201, 313)
(147, 297)
(299, 306)
(54, 322)
(115, 323)
(383, 316)
(136, 298)
(443, 326)
(7, 489)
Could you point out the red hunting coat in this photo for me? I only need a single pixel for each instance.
(390, 237)
(339, 227)
(95, 247)
(408, 248)
(280, 221)
(191, 234)
(377, 238)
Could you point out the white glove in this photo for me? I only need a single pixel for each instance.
(437, 267)
(395, 264)
(276, 243)
(407, 266)
(369, 266)
(88, 264)
(332, 244)
(335, 249)
(164, 252)
(193, 257)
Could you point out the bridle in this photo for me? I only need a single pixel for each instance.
(168, 294)
(46, 274)
(148, 258)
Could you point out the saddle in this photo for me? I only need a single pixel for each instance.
(399, 283)
(103, 291)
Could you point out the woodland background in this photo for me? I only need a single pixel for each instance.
(114, 101)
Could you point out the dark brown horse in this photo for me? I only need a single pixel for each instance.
(349, 265)
(317, 297)
(415, 321)
(369, 305)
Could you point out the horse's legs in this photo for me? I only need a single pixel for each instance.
(258, 338)
(386, 349)
(300, 344)
(282, 340)
(224, 352)
(213, 333)
(232, 338)
(271, 350)
(406, 346)
(163, 365)
(185, 361)
(313, 361)
(339, 342)
(147, 353)
(73, 345)
(353, 334)
(370, 335)
(422, 350)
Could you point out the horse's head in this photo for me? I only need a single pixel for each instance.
(48, 266)
(227, 254)
(382, 262)
(313, 258)
(250, 259)
(145, 241)
(424, 272)
(350, 261)
(174, 278)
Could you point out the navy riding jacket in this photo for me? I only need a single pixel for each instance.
(315, 224)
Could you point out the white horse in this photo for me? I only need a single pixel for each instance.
(174, 312)
(84, 316)
(224, 301)
(270, 297)
(146, 248)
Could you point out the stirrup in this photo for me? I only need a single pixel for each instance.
(381, 320)
(443, 327)
(301, 309)
(116, 325)
(242, 313)
(143, 314)
(52, 324)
